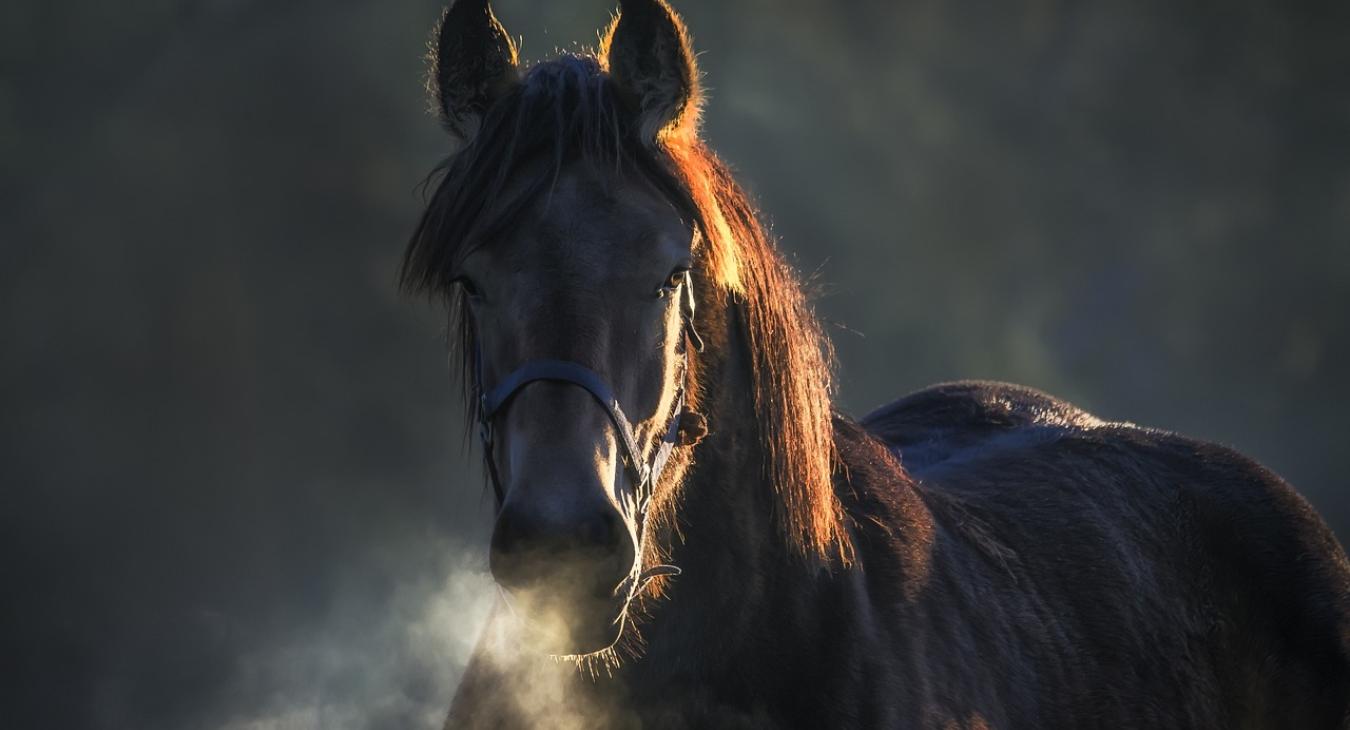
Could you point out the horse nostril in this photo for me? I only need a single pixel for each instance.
(529, 545)
(509, 535)
(604, 534)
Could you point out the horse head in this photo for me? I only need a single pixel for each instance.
(576, 282)
(584, 236)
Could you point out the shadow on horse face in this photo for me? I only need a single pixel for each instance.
(582, 273)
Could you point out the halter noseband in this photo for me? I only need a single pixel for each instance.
(633, 500)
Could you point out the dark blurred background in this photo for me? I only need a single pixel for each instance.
(235, 491)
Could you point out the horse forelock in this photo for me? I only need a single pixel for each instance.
(567, 108)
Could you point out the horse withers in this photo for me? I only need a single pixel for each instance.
(687, 534)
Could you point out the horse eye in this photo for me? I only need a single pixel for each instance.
(673, 281)
(467, 285)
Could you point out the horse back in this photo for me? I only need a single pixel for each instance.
(942, 421)
(1128, 562)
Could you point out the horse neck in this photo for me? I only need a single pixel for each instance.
(728, 543)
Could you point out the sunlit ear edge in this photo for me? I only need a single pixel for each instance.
(471, 63)
(651, 29)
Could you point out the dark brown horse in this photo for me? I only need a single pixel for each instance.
(684, 520)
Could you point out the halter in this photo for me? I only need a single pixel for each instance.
(644, 474)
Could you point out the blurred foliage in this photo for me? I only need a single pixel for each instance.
(224, 427)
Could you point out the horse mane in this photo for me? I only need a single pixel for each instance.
(567, 108)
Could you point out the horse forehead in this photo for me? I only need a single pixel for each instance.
(590, 226)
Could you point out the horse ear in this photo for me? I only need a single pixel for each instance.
(649, 56)
(474, 64)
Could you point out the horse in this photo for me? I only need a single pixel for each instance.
(687, 533)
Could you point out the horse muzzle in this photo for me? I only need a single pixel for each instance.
(563, 573)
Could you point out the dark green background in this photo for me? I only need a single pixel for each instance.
(233, 476)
